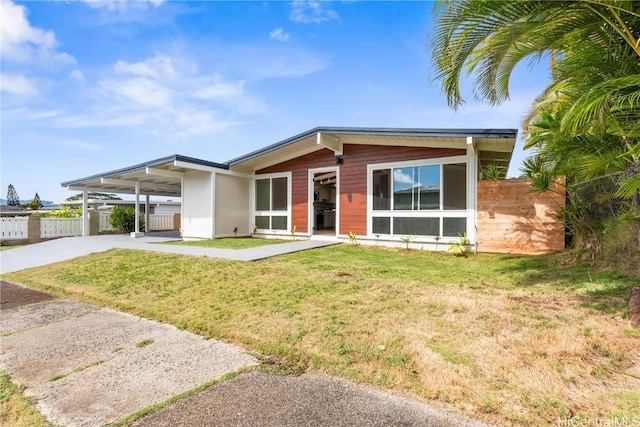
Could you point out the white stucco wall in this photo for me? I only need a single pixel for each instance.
(232, 205)
(197, 201)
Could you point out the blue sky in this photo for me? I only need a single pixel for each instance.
(89, 87)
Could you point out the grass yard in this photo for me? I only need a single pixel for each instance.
(508, 339)
(16, 410)
(229, 242)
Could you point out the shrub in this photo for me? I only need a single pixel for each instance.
(124, 219)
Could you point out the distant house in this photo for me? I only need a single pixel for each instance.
(380, 183)
(155, 207)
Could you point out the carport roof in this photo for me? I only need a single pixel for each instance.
(159, 177)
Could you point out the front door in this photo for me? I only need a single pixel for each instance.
(324, 201)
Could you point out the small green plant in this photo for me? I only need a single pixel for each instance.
(407, 240)
(254, 229)
(353, 238)
(124, 219)
(235, 231)
(460, 247)
(293, 232)
(437, 239)
(492, 172)
(144, 343)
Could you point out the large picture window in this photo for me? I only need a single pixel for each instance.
(419, 200)
(272, 203)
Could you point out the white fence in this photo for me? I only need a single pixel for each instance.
(60, 227)
(104, 222)
(15, 228)
(157, 222)
(160, 222)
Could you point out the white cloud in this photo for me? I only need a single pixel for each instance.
(403, 178)
(17, 84)
(221, 90)
(311, 11)
(140, 91)
(122, 5)
(279, 34)
(157, 67)
(77, 75)
(24, 44)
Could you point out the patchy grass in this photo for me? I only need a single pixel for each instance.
(144, 343)
(509, 339)
(78, 369)
(16, 410)
(229, 242)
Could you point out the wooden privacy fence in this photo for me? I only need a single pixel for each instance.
(513, 219)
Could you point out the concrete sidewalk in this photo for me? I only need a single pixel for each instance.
(87, 366)
(57, 250)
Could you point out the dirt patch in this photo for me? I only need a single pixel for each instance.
(12, 296)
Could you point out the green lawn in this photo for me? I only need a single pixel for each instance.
(230, 243)
(508, 339)
(16, 409)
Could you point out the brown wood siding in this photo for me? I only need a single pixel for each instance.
(353, 179)
(512, 219)
(299, 168)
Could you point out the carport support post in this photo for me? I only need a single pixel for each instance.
(136, 232)
(146, 213)
(85, 214)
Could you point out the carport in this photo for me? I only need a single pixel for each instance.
(161, 177)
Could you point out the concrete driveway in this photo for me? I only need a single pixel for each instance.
(87, 366)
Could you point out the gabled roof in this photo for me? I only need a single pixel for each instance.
(489, 141)
(160, 177)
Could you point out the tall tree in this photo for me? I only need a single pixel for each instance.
(36, 203)
(586, 123)
(12, 196)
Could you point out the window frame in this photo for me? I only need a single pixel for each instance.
(440, 213)
(271, 213)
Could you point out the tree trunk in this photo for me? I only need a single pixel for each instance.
(634, 307)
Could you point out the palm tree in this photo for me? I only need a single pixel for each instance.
(586, 123)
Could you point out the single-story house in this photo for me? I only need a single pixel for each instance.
(382, 184)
